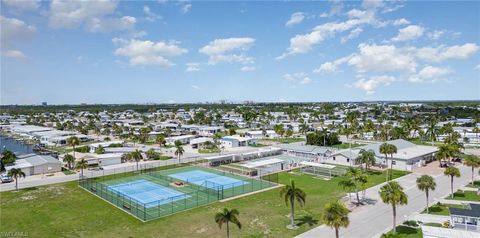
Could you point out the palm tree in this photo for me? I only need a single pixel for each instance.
(336, 216)
(136, 156)
(366, 157)
(69, 159)
(388, 149)
(472, 161)
(291, 193)
(179, 152)
(392, 193)
(226, 217)
(160, 140)
(73, 141)
(355, 179)
(16, 174)
(426, 183)
(452, 172)
(8, 157)
(82, 164)
(432, 130)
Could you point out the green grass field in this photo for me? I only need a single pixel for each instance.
(465, 196)
(346, 145)
(66, 210)
(408, 232)
(442, 209)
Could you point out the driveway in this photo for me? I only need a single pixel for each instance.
(374, 219)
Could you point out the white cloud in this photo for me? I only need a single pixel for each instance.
(353, 34)
(193, 67)
(443, 53)
(148, 52)
(14, 54)
(400, 22)
(185, 6)
(430, 73)
(301, 44)
(14, 30)
(151, 16)
(370, 85)
(409, 33)
(300, 78)
(331, 67)
(195, 87)
(94, 16)
(382, 58)
(336, 9)
(295, 18)
(222, 50)
(477, 67)
(247, 68)
(435, 35)
(19, 6)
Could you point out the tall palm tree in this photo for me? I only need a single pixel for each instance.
(82, 164)
(291, 193)
(452, 172)
(73, 141)
(473, 162)
(392, 193)
(135, 156)
(388, 149)
(366, 157)
(432, 129)
(336, 215)
(7, 158)
(16, 173)
(426, 183)
(160, 140)
(69, 159)
(179, 152)
(227, 216)
(355, 179)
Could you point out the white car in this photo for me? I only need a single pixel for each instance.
(5, 178)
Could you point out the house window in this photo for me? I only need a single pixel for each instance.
(348, 160)
(333, 157)
(394, 162)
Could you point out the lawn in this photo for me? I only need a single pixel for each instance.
(65, 210)
(408, 232)
(465, 196)
(442, 209)
(476, 184)
(208, 151)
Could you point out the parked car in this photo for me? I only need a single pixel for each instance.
(5, 178)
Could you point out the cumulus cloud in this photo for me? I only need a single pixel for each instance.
(247, 68)
(442, 53)
(16, 54)
(353, 34)
(304, 43)
(369, 85)
(400, 22)
(331, 67)
(336, 9)
(147, 52)
(151, 16)
(295, 18)
(409, 33)
(298, 78)
(94, 16)
(19, 6)
(196, 87)
(229, 50)
(193, 67)
(430, 73)
(435, 35)
(13, 32)
(185, 6)
(382, 58)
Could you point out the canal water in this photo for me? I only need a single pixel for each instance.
(18, 147)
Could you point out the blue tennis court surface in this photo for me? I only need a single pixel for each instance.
(147, 193)
(209, 180)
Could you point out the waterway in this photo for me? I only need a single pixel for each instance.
(18, 147)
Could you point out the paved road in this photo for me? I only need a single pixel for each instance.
(375, 219)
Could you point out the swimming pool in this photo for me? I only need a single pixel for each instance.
(147, 193)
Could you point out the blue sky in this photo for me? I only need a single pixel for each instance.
(68, 52)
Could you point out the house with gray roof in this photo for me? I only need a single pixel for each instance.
(466, 218)
(32, 164)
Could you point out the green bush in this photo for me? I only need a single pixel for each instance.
(82, 149)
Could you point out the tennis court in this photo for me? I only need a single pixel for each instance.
(149, 194)
(209, 180)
